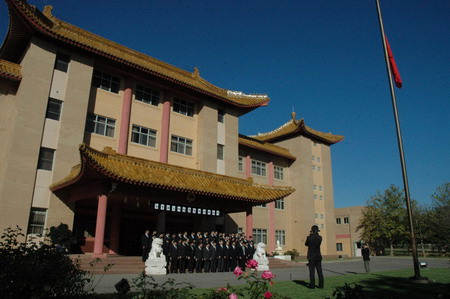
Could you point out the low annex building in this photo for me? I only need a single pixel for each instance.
(111, 141)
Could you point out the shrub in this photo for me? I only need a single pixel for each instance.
(294, 253)
(147, 288)
(61, 235)
(38, 270)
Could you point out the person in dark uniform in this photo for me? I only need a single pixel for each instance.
(146, 243)
(198, 256)
(190, 256)
(173, 257)
(313, 242)
(366, 257)
(207, 258)
(242, 254)
(213, 249)
(219, 256)
(182, 256)
(233, 256)
(226, 256)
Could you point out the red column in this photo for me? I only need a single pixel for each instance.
(125, 119)
(115, 229)
(249, 222)
(164, 147)
(100, 226)
(248, 166)
(271, 245)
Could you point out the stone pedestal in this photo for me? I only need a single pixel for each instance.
(155, 266)
(283, 257)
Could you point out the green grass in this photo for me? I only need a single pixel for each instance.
(388, 284)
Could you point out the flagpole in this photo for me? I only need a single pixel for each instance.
(400, 147)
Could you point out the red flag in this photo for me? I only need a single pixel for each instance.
(394, 68)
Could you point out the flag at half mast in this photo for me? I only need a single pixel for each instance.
(394, 68)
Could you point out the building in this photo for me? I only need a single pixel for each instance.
(111, 141)
(348, 240)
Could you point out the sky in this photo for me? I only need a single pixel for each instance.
(321, 58)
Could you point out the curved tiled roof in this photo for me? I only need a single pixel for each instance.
(294, 127)
(266, 147)
(48, 25)
(141, 172)
(10, 70)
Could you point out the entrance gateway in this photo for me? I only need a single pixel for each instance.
(115, 197)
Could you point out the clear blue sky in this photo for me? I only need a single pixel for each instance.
(322, 57)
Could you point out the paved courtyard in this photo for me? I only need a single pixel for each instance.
(212, 280)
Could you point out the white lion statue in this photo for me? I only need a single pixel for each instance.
(261, 258)
(156, 262)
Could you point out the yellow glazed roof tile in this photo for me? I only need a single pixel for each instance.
(136, 171)
(47, 24)
(266, 147)
(10, 70)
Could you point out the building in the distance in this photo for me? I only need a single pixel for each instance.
(348, 240)
(111, 141)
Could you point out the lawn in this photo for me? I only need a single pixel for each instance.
(388, 284)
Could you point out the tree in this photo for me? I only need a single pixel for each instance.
(441, 217)
(383, 221)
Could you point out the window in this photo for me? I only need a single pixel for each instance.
(220, 148)
(314, 187)
(46, 156)
(278, 172)
(241, 163)
(37, 221)
(183, 107)
(264, 205)
(314, 167)
(240, 229)
(346, 220)
(106, 81)
(100, 125)
(258, 168)
(321, 197)
(320, 188)
(338, 246)
(53, 109)
(318, 159)
(315, 196)
(313, 158)
(181, 145)
(338, 220)
(279, 204)
(318, 168)
(316, 215)
(315, 143)
(220, 115)
(321, 216)
(322, 226)
(280, 235)
(143, 136)
(62, 62)
(147, 95)
(260, 235)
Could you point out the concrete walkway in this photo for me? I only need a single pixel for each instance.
(214, 280)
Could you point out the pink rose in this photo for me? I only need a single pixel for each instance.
(221, 290)
(267, 295)
(233, 296)
(267, 275)
(252, 264)
(237, 271)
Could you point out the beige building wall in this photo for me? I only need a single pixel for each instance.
(22, 150)
(346, 221)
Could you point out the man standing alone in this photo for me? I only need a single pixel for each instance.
(366, 253)
(313, 242)
(146, 243)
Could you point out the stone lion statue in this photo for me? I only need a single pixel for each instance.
(260, 257)
(157, 251)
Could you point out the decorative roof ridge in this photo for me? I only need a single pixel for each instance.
(110, 153)
(46, 23)
(290, 122)
(10, 70)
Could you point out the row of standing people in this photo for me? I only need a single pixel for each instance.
(202, 252)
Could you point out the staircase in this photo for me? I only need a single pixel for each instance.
(118, 264)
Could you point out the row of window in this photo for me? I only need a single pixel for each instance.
(314, 167)
(279, 204)
(320, 197)
(314, 158)
(260, 168)
(319, 216)
(315, 187)
(339, 220)
(260, 235)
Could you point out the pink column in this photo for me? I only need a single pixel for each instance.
(271, 245)
(249, 222)
(164, 148)
(125, 119)
(115, 229)
(248, 166)
(100, 226)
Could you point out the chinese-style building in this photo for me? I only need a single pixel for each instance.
(111, 141)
